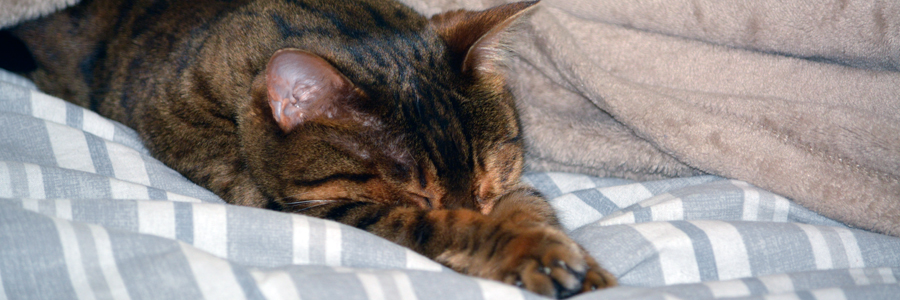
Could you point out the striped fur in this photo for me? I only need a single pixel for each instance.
(408, 132)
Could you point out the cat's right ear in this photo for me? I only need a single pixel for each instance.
(477, 36)
(303, 87)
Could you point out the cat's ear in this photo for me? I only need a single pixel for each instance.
(303, 87)
(477, 36)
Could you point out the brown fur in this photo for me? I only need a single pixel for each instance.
(361, 112)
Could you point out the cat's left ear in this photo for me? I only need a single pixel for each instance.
(303, 87)
(477, 36)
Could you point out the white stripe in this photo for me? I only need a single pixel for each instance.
(181, 198)
(492, 290)
(31, 205)
(573, 212)
(211, 229)
(667, 208)
(676, 252)
(48, 108)
(127, 190)
(371, 285)
(300, 225)
(568, 183)
(859, 276)
(626, 195)
(213, 275)
(70, 148)
(820, 250)
(276, 285)
(107, 263)
(157, 218)
(732, 260)
(333, 248)
(618, 218)
(72, 254)
(416, 261)
(127, 164)
(778, 284)
(751, 201)
(781, 209)
(35, 181)
(887, 275)
(728, 288)
(404, 286)
(97, 125)
(851, 247)
(5, 181)
(64, 209)
(829, 294)
(782, 297)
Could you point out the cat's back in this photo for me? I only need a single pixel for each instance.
(130, 51)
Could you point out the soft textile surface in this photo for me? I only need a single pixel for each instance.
(797, 97)
(85, 213)
(801, 98)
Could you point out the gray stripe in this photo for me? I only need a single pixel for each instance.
(47, 207)
(164, 178)
(597, 200)
(30, 245)
(357, 251)
(144, 259)
(18, 179)
(766, 211)
(543, 183)
(665, 186)
(74, 116)
(88, 250)
(309, 286)
(100, 155)
(247, 246)
(184, 222)
(112, 214)
(14, 99)
(703, 251)
(443, 285)
(68, 184)
(623, 251)
(157, 194)
(25, 139)
(755, 286)
(835, 247)
(246, 281)
(765, 249)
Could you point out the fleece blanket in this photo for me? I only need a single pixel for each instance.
(86, 213)
(798, 97)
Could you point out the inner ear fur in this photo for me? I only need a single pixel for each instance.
(477, 36)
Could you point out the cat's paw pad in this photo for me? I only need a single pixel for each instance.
(549, 263)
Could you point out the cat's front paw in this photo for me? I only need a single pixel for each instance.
(548, 262)
(543, 260)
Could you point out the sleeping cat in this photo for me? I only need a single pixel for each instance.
(362, 112)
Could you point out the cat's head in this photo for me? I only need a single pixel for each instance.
(438, 129)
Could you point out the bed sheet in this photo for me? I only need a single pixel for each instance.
(86, 213)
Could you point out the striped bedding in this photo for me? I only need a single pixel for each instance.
(86, 213)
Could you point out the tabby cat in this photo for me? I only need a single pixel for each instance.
(362, 112)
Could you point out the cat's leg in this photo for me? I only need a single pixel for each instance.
(518, 242)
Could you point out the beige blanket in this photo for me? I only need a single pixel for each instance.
(798, 97)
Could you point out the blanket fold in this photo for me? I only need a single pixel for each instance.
(823, 134)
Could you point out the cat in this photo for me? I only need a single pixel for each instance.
(362, 112)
